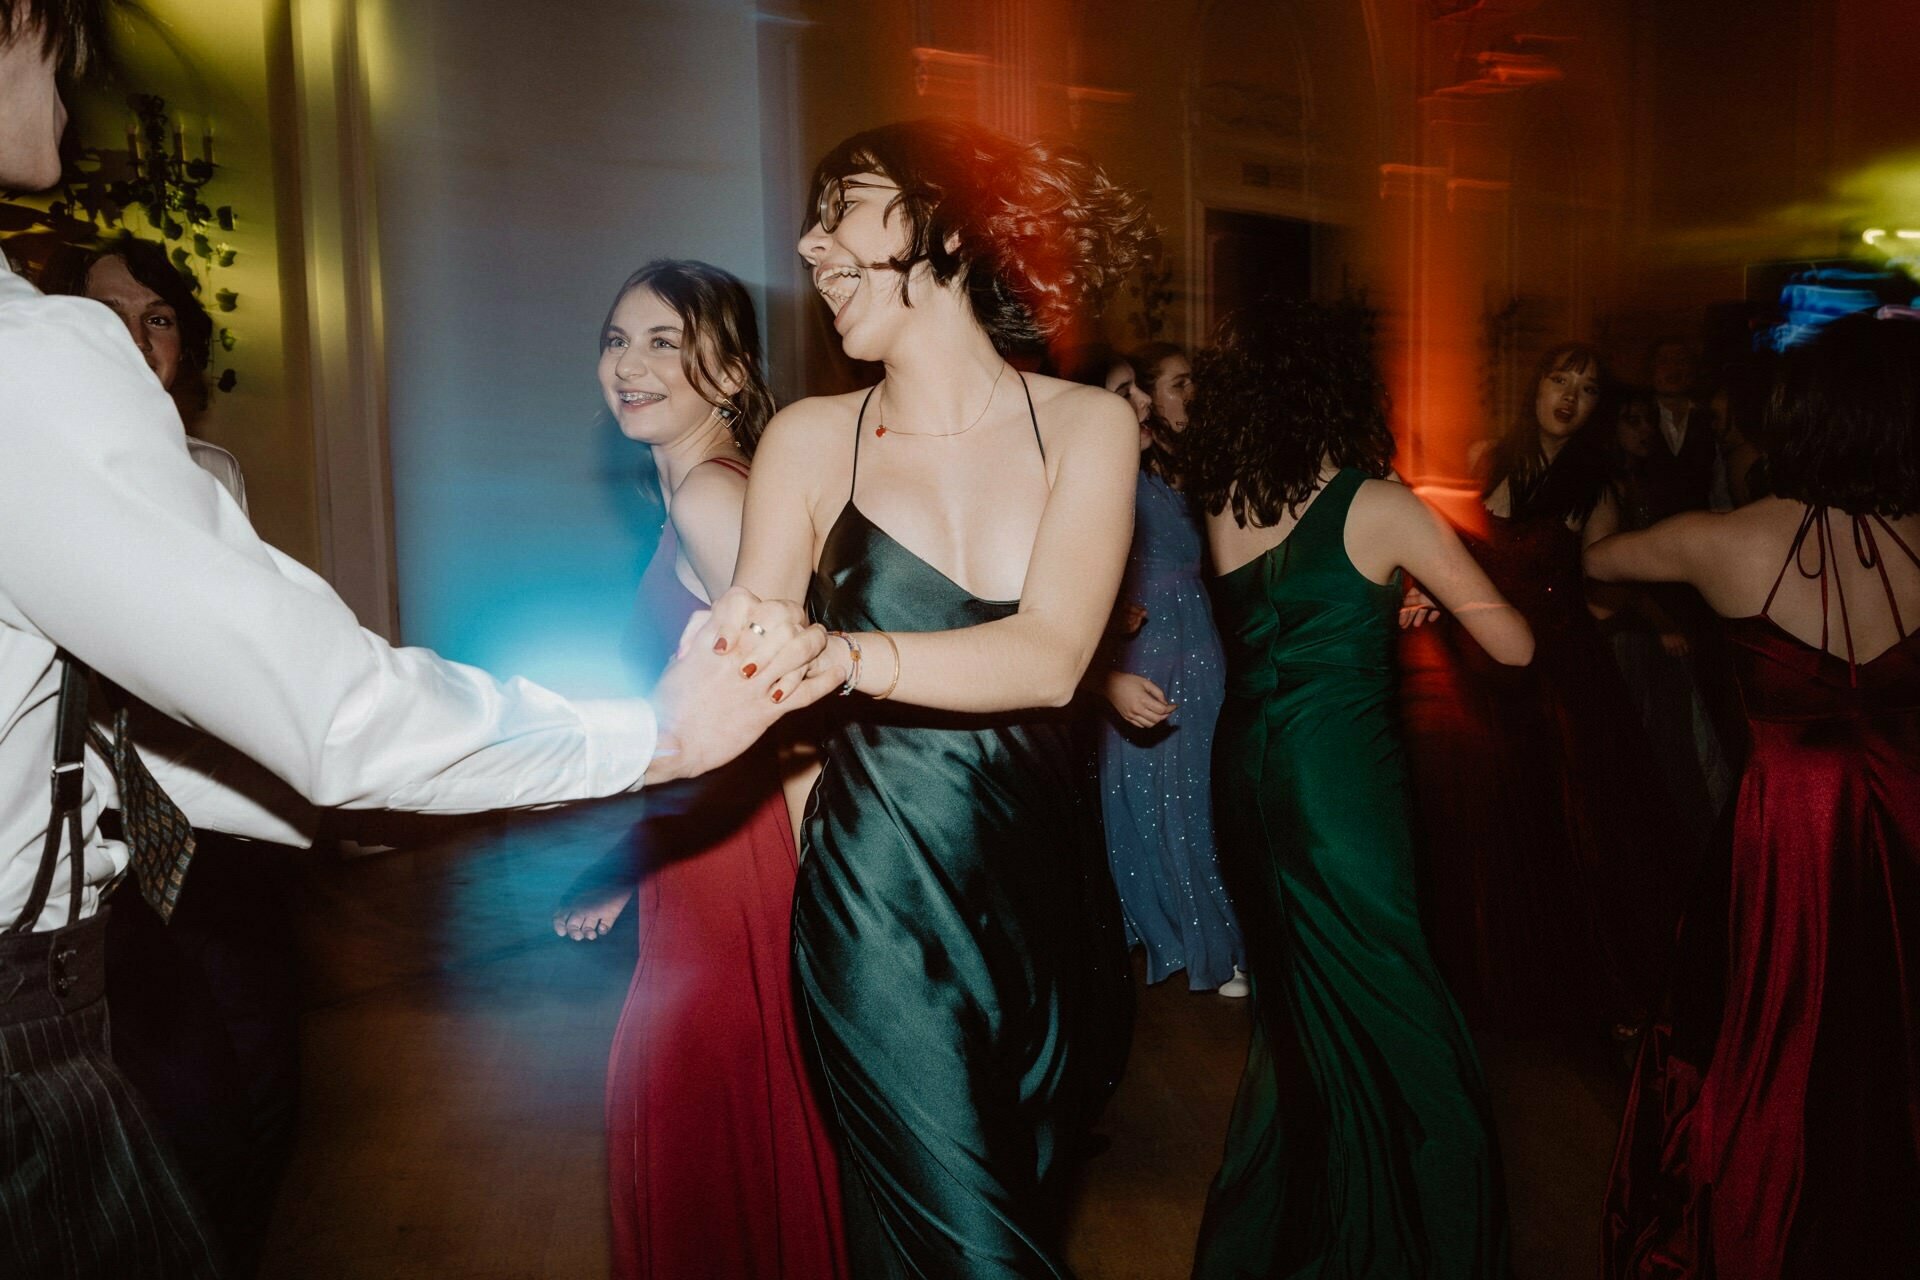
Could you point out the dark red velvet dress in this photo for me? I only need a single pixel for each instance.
(1774, 1125)
(1551, 865)
(718, 1163)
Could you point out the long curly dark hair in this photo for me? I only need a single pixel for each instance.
(1843, 422)
(721, 337)
(1571, 486)
(1038, 233)
(1287, 386)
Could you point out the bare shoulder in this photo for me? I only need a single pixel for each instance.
(809, 434)
(710, 488)
(1070, 411)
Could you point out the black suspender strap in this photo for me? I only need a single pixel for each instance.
(69, 785)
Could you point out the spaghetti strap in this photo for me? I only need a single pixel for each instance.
(1866, 545)
(1032, 416)
(859, 421)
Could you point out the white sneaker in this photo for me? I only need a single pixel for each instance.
(1237, 987)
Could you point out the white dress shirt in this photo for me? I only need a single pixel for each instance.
(115, 546)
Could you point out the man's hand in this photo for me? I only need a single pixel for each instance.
(717, 697)
(1417, 609)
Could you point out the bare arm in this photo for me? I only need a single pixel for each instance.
(706, 515)
(1408, 533)
(1670, 551)
(1032, 659)
(777, 534)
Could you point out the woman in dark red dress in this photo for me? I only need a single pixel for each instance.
(1774, 1125)
(1551, 864)
(718, 1163)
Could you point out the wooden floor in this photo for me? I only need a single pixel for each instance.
(456, 1051)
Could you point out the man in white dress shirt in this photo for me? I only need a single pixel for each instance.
(116, 548)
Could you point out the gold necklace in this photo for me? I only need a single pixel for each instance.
(882, 429)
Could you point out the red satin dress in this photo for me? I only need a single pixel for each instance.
(718, 1163)
(1773, 1129)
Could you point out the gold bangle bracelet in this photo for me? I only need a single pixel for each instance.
(895, 682)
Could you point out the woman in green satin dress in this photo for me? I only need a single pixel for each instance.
(962, 528)
(1384, 1166)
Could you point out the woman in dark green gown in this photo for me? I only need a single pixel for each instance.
(957, 946)
(1381, 1161)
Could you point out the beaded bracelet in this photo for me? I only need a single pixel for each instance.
(853, 666)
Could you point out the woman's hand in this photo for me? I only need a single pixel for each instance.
(1127, 620)
(1137, 700)
(1417, 609)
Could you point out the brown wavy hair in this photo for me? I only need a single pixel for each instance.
(721, 337)
(1571, 486)
(1286, 385)
(1038, 233)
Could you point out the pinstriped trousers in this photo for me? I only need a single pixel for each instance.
(86, 1188)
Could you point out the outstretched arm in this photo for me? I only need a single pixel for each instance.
(1668, 552)
(1409, 533)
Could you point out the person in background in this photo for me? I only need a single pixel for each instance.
(1652, 648)
(205, 1003)
(1163, 683)
(118, 555)
(163, 315)
(1773, 1128)
(1551, 858)
(718, 1162)
(1394, 1171)
(1680, 473)
(1164, 373)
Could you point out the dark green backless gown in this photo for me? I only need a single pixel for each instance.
(961, 969)
(1384, 1164)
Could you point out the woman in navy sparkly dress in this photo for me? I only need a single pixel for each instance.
(1165, 683)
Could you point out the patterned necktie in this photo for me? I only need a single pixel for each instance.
(159, 837)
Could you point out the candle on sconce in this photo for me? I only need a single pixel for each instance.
(206, 142)
(180, 139)
(133, 140)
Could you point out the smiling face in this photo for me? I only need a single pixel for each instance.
(150, 320)
(1172, 389)
(1565, 399)
(32, 116)
(642, 375)
(849, 262)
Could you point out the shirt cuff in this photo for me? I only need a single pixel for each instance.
(621, 733)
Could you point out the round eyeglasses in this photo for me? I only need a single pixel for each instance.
(832, 204)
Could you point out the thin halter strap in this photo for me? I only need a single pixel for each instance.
(1865, 546)
(860, 421)
(732, 464)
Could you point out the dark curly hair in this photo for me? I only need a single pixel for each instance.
(1038, 233)
(1843, 422)
(720, 336)
(147, 262)
(1571, 486)
(1287, 385)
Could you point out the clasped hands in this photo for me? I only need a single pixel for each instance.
(740, 667)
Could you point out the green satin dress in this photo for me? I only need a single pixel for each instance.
(961, 968)
(1361, 1143)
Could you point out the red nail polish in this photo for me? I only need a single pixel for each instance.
(749, 669)
(720, 645)
(779, 694)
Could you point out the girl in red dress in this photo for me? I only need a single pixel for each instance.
(1551, 862)
(1774, 1125)
(717, 1160)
